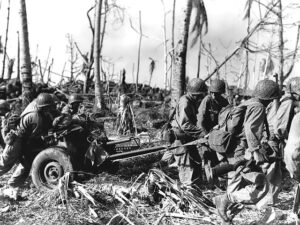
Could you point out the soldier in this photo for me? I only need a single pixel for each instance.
(35, 122)
(185, 122)
(211, 106)
(248, 184)
(280, 116)
(74, 103)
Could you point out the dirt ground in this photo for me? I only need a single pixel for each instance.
(44, 208)
(36, 207)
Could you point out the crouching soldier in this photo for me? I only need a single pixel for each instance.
(70, 113)
(248, 184)
(280, 117)
(35, 121)
(185, 122)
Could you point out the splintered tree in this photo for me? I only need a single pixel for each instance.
(25, 61)
(200, 23)
(73, 58)
(6, 38)
(178, 80)
(99, 104)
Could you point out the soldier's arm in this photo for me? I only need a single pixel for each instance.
(26, 126)
(185, 119)
(202, 115)
(254, 125)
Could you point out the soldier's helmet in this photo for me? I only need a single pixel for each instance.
(44, 100)
(217, 86)
(293, 86)
(75, 98)
(55, 98)
(267, 90)
(196, 86)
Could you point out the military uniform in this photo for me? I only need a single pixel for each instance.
(189, 160)
(27, 136)
(248, 186)
(248, 183)
(208, 112)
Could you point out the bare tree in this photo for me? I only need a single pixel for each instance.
(25, 61)
(201, 23)
(73, 57)
(139, 49)
(178, 80)
(277, 52)
(6, 38)
(173, 42)
(97, 57)
(248, 17)
(165, 45)
(18, 58)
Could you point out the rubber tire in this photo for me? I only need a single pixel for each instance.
(45, 156)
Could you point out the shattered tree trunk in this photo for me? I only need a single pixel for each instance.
(199, 56)
(10, 67)
(97, 57)
(178, 82)
(25, 61)
(280, 45)
(90, 61)
(173, 42)
(247, 54)
(139, 52)
(18, 58)
(165, 46)
(6, 39)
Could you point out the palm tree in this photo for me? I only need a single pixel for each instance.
(200, 23)
(178, 79)
(25, 61)
(97, 57)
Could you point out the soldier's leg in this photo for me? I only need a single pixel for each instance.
(20, 174)
(10, 156)
(253, 192)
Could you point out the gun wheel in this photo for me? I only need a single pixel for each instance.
(49, 166)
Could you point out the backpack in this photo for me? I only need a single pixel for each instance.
(231, 119)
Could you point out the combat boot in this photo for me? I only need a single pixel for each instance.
(222, 202)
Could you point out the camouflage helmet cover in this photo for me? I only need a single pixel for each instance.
(217, 86)
(267, 90)
(196, 86)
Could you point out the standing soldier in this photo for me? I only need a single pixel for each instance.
(185, 122)
(211, 106)
(248, 184)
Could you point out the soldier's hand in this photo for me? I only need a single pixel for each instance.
(258, 157)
